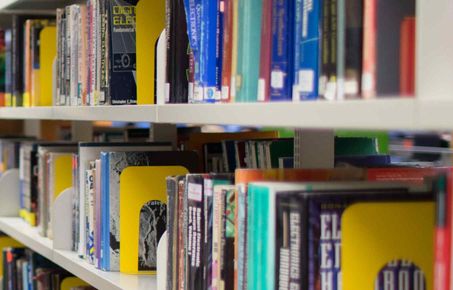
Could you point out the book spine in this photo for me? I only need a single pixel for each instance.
(16, 61)
(227, 50)
(242, 237)
(74, 41)
(216, 240)
(8, 68)
(369, 49)
(182, 235)
(328, 80)
(75, 202)
(169, 18)
(104, 97)
(353, 48)
(407, 57)
(307, 47)
(68, 57)
(229, 240)
(27, 63)
(195, 231)
(267, 47)
(90, 175)
(208, 245)
(219, 48)
(208, 49)
(281, 79)
(442, 238)
(105, 212)
(172, 225)
(122, 50)
(97, 215)
(82, 49)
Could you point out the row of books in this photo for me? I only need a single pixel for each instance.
(99, 52)
(268, 50)
(23, 269)
(308, 229)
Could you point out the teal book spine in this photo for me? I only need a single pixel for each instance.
(249, 39)
(258, 240)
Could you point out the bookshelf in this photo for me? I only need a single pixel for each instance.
(22, 232)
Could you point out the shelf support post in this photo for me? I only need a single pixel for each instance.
(314, 148)
(434, 49)
(163, 133)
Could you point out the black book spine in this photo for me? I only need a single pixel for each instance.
(354, 47)
(195, 233)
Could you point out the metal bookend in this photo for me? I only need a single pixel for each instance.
(161, 263)
(9, 193)
(62, 221)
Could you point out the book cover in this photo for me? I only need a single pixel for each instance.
(143, 212)
(115, 163)
(402, 237)
(122, 49)
(307, 49)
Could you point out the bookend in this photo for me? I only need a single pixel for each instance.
(9, 193)
(161, 263)
(62, 220)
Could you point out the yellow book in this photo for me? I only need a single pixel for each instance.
(6, 242)
(150, 23)
(375, 234)
(47, 53)
(143, 195)
(72, 282)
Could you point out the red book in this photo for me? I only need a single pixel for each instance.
(266, 52)
(227, 48)
(407, 57)
(369, 49)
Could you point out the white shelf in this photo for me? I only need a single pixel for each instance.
(380, 114)
(27, 235)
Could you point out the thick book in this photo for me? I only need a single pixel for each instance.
(113, 164)
(122, 52)
(307, 49)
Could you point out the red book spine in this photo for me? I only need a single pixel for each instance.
(442, 240)
(407, 57)
(266, 52)
(369, 49)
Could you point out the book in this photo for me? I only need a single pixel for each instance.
(113, 163)
(122, 52)
(248, 50)
(307, 50)
(407, 57)
(281, 80)
(266, 44)
(227, 58)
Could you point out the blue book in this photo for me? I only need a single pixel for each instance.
(249, 35)
(282, 50)
(307, 47)
(105, 213)
(208, 49)
(193, 16)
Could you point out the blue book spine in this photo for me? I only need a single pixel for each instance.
(105, 212)
(307, 49)
(282, 50)
(219, 47)
(193, 18)
(208, 49)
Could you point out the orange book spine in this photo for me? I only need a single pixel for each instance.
(369, 49)
(227, 49)
(407, 57)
